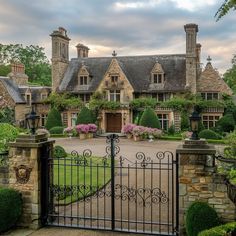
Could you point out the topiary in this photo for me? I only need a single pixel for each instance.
(226, 123)
(59, 152)
(10, 208)
(209, 134)
(7, 133)
(200, 216)
(85, 116)
(53, 119)
(56, 130)
(184, 122)
(149, 119)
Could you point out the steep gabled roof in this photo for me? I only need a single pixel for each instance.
(13, 89)
(136, 68)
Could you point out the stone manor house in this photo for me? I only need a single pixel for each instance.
(119, 78)
(123, 78)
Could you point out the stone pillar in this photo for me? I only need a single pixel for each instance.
(198, 181)
(25, 174)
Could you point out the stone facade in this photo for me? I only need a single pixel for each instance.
(5, 98)
(25, 175)
(198, 181)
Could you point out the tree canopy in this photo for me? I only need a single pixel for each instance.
(230, 75)
(37, 66)
(225, 8)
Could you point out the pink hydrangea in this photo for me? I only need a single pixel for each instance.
(68, 130)
(92, 128)
(128, 128)
(82, 129)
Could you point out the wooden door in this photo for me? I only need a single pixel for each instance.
(113, 122)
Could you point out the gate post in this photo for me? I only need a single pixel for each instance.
(194, 175)
(25, 175)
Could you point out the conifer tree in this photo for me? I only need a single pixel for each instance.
(53, 119)
(149, 119)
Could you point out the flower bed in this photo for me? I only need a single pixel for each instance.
(86, 130)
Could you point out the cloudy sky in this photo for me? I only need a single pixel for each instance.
(131, 27)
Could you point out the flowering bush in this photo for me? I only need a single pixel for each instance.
(139, 131)
(68, 130)
(145, 132)
(128, 129)
(92, 128)
(83, 128)
(186, 134)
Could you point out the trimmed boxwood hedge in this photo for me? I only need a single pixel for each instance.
(53, 119)
(209, 134)
(222, 230)
(59, 152)
(10, 208)
(56, 130)
(149, 119)
(200, 216)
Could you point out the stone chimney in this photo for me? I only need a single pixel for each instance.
(60, 56)
(82, 50)
(198, 53)
(192, 51)
(17, 74)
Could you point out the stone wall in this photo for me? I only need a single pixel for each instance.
(198, 181)
(4, 175)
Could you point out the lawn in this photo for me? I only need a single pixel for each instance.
(76, 180)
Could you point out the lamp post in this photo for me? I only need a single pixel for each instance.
(194, 124)
(32, 121)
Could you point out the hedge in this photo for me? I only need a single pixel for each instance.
(226, 123)
(10, 208)
(56, 130)
(59, 152)
(222, 230)
(200, 216)
(209, 134)
(85, 117)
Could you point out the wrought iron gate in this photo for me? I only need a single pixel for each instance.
(113, 192)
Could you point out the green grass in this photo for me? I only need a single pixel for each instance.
(86, 179)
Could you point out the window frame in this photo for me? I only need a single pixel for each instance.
(116, 94)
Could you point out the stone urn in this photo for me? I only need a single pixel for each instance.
(82, 136)
(137, 138)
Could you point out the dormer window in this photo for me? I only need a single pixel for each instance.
(44, 96)
(28, 99)
(83, 80)
(114, 78)
(158, 78)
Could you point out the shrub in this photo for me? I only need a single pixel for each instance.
(226, 123)
(184, 125)
(221, 230)
(59, 152)
(7, 133)
(149, 119)
(209, 134)
(54, 119)
(56, 130)
(85, 116)
(200, 216)
(10, 208)
(171, 129)
(128, 128)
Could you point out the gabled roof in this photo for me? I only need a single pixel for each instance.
(136, 68)
(13, 89)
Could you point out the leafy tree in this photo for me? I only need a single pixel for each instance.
(7, 115)
(225, 8)
(63, 101)
(37, 66)
(53, 119)
(149, 119)
(5, 70)
(226, 123)
(85, 116)
(184, 125)
(230, 75)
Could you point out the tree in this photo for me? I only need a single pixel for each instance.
(149, 119)
(37, 66)
(53, 119)
(225, 8)
(230, 75)
(85, 116)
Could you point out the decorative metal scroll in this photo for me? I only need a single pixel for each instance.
(143, 196)
(81, 159)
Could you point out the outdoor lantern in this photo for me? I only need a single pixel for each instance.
(194, 124)
(32, 121)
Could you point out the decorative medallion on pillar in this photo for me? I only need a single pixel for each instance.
(22, 174)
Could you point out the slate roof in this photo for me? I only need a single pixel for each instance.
(17, 92)
(136, 68)
(13, 89)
